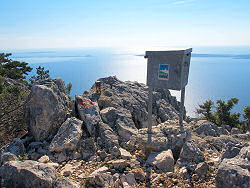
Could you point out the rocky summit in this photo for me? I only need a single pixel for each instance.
(101, 140)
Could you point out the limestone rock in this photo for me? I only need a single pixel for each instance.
(101, 177)
(87, 147)
(47, 108)
(67, 136)
(89, 114)
(125, 154)
(128, 180)
(201, 169)
(28, 174)
(190, 154)
(119, 165)
(64, 183)
(162, 161)
(44, 159)
(107, 138)
(206, 128)
(234, 172)
(16, 147)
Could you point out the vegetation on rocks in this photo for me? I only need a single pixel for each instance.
(221, 114)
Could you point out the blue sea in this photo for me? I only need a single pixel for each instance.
(215, 72)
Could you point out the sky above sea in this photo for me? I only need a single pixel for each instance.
(215, 72)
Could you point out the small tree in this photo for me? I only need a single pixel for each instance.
(13, 69)
(41, 74)
(68, 88)
(247, 116)
(206, 110)
(223, 113)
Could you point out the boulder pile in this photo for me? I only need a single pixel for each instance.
(102, 141)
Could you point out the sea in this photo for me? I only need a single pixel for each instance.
(215, 72)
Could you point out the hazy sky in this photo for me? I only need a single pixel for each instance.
(123, 23)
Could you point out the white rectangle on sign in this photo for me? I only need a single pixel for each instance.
(163, 72)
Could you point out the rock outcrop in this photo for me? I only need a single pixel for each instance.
(28, 174)
(235, 172)
(67, 136)
(47, 108)
(104, 142)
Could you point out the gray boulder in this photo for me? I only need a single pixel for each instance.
(131, 99)
(16, 147)
(107, 138)
(190, 154)
(206, 128)
(28, 174)
(46, 108)
(89, 113)
(64, 183)
(163, 161)
(101, 178)
(67, 136)
(235, 172)
(87, 147)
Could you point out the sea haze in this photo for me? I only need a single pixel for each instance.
(215, 73)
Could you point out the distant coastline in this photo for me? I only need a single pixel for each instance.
(240, 56)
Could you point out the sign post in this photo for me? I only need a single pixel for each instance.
(168, 70)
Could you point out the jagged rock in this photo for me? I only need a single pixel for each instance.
(67, 136)
(68, 169)
(128, 180)
(162, 161)
(61, 157)
(89, 114)
(139, 174)
(166, 111)
(234, 172)
(44, 159)
(220, 143)
(232, 150)
(125, 154)
(107, 138)
(201, 169)
(111, 115)
(28, 174)
(115, 152)
(64, 183)
(190, 153)
(16, 147)
(46, 108)
(119, 165)
(101, 177)
(158, 142)
(125, 133)
(7, 156)
(206, 128)
(132, 98)
(87, 147)
(134, 163)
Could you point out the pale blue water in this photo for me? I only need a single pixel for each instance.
(215, 73)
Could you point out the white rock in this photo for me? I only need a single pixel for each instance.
(164, 161)
(44, 159)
